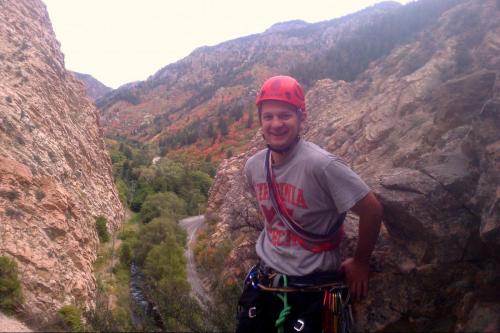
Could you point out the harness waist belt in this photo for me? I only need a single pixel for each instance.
(313, 279)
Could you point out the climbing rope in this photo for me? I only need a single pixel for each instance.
(280, 322)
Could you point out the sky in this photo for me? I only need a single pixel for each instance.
(120, 41)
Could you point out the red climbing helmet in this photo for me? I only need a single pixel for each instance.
(282, 88)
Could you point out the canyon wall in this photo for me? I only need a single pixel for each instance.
(55, 174)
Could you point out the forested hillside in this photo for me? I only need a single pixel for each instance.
(203, 105)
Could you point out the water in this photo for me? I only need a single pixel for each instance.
(144, 312)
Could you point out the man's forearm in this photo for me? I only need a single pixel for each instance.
(369, 228)
(370, 219)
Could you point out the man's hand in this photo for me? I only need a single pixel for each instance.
(356, 274)
(357, 269)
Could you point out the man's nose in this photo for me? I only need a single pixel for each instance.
(276, 122)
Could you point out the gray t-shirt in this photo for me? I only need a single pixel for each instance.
(316, 187)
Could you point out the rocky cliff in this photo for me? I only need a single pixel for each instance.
(94, 88)
(55, 175)
(422, 127)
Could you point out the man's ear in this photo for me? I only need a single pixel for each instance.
(302, 115)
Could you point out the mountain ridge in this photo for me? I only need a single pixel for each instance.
(219, 82)
(226, 65)
(94, 88)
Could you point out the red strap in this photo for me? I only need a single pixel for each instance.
(316, 248)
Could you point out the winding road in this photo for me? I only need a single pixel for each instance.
(192, 224)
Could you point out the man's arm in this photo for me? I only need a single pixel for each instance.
(356, 268)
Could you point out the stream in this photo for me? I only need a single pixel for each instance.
(144, 312)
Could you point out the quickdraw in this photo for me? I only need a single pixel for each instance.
(336, 308)
(337, 312)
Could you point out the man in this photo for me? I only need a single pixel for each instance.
(303, 193)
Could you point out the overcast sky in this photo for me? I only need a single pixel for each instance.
(120, 41)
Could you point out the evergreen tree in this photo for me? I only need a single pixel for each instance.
(250, 119)
(224, 130)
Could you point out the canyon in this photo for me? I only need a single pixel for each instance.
(55, 174)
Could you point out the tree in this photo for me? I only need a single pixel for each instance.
(250, 119)
(159, 230)
(200, 180)
(224, 130)
(142, 190)
(122, 188)
(211, 130)
(102, 229)
(162, 204)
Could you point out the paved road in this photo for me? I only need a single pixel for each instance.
(192, 224)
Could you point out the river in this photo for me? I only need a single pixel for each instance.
(144, 313)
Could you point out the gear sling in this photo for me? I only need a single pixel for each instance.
(314, 303)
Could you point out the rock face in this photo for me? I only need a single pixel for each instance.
(422, 127)
(94, 88)
(55, 175)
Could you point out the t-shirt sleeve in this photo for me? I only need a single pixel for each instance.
(344, 185)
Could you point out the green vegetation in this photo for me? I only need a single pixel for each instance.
(158, 195)
(180, 186)
(113, 312)
(162, 203)
(70, 319)
(211, 260)
(102, 229)
(11, 296)
(351, 55)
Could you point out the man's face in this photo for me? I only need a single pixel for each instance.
(280, 122)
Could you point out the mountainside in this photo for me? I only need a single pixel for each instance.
(94, 88)
(55, 174)
(203, 104)
(421, 126)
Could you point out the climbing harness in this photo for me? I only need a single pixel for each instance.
(336, 312)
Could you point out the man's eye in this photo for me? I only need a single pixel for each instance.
(285, 116)
(267, 118)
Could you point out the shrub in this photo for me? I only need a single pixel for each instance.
(161, 229)
(11, 296)
(125, 254)
(11, 195)
(69, 318)
(162, 204)
(122, 188)
(102, 230)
